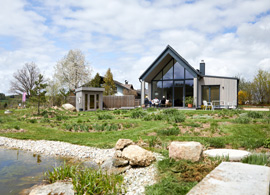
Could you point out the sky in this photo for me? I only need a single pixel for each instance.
(231, 36)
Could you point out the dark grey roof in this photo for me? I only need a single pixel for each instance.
(171, 51)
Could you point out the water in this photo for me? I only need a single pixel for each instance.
(21, 170)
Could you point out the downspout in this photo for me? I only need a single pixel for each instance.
(198, 91)
(237, 93)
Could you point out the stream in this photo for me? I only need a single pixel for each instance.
(21, 169)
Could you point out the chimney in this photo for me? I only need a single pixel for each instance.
(202, 67)
(126, 82)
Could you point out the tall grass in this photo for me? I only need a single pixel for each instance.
(86, 180)
(257, 159)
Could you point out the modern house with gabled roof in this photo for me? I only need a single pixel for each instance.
(170, 75)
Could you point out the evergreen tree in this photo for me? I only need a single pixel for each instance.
(38, 93)
(109, 84)
(96, 81)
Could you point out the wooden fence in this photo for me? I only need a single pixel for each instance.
(120, 101)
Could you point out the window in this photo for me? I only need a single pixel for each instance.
(168, 71)
(178, 71)
(210, 93)
(157, 89)
(174, 82)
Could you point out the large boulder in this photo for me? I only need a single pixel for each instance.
(138, 156)
(55, 188)
(185, 150)
(122, 143)
(69, 107)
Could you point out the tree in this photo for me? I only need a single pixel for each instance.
(260, 86)
(2, 96)
(38, 93)
(24, 79)
(53, 90)
(109, 84)
(73, 70)
(242, 97)
(247, 87)
(96, 81)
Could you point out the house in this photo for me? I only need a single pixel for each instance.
(170, 75)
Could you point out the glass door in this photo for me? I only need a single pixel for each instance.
(178, 93)
(92, 102)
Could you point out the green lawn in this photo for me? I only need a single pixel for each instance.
(157, 128)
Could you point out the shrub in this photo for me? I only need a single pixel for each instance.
(153, 141)
(63, 117)
(79, 121)
(242, 120)
(17, 127)
(2, 120)
(253, 114)
(84, 127)
(68, 127)
(216, 143)
(170, 111)
(45, 120)
(178, 118)
(137, 114)
(117, 112)
(266, 143)
(147, 117)
(86, 180)
(33, 120)
(127, 125)
(168, 132)
(105, 116)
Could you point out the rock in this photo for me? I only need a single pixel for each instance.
(8, 112)
(185, 150)
(118, 154)
(118, 170)
(234, 178)
(234, 155)
(108, 164)
(138, 156)
(69, 107)
(91, 164)
(55, 188)
(119, 162)
(122, 143)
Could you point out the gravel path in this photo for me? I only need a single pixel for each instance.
(134, 179)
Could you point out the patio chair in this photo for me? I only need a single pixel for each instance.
(207, 105)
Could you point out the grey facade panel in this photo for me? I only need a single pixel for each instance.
(228, 88)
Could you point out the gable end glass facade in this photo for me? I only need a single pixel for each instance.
(174, 82)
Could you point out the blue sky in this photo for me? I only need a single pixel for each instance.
(232, 36)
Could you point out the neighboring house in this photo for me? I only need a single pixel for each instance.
(170, 75)
(120, 87)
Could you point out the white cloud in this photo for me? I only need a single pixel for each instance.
(127, 36)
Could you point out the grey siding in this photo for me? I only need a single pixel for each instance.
(228, 88)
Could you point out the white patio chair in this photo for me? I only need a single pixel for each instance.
(207, 105)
